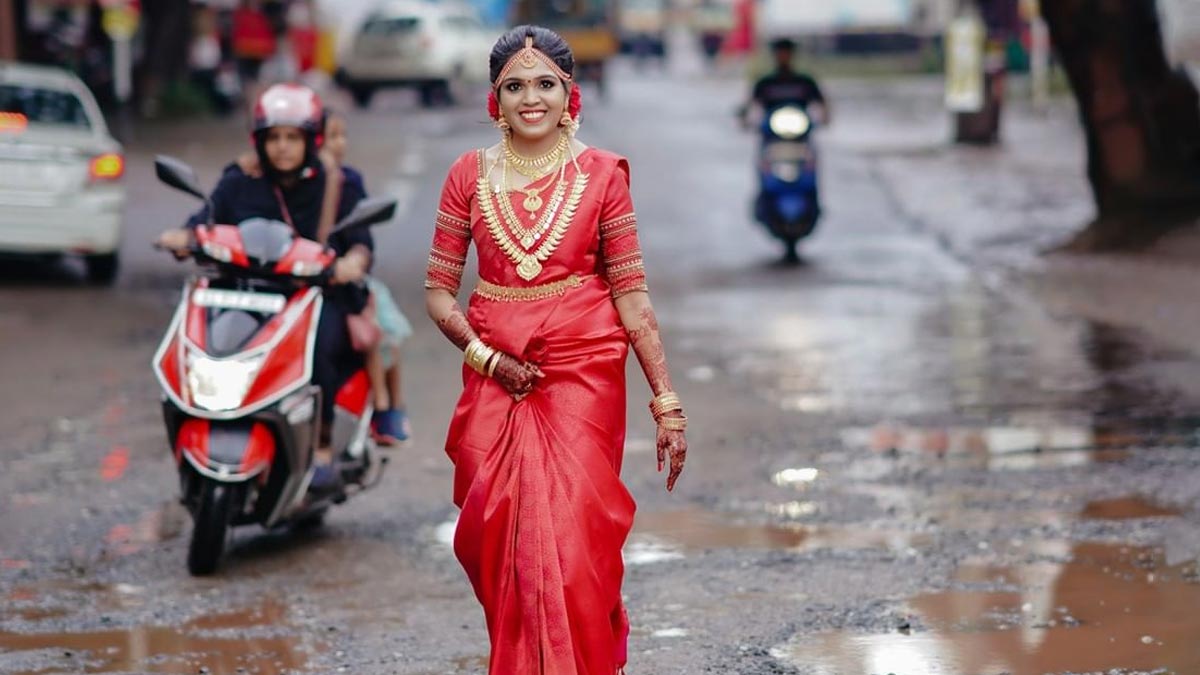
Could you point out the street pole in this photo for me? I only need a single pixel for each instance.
(122, 70)
(120, 20)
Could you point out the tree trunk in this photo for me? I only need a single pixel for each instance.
(1141, 119)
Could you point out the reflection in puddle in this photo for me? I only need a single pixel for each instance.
(235, 642)
(681, 531)
(1107, 607)
(1008, 447)
(795, 477)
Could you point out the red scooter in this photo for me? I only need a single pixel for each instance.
(235, 366)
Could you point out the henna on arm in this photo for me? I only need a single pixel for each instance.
(641, 324)
(637, 315)
(454, 325)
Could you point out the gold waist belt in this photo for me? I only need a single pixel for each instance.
(526, 293)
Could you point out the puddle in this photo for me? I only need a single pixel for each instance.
(672, 534)
(1009, 447)
(1107, 607)
(246, 641)
(1126, 508)
(39, 613)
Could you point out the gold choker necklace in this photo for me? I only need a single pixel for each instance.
(535, 167)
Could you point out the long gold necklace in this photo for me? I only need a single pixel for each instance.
(528, 236)
(550, 229)
(535, 167)
(533, 196)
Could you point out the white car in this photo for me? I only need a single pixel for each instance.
(60, 171)
(416, 43)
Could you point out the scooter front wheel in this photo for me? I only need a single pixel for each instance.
(210, 528)
(791, 253)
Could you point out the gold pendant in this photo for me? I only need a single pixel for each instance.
(532, 202)
(527, 241)
(529, 268)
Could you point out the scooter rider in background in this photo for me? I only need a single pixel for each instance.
(787, 85)
(287, 136)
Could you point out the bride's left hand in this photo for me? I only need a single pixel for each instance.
(671, 444)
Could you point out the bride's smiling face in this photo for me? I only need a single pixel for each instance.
(532, 100)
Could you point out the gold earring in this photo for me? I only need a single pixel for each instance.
(503, 125)
(568, 123)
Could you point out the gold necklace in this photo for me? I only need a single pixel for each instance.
(530, 236)
(529, 263)
(535, 167)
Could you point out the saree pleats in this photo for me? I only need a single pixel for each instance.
(544, 512)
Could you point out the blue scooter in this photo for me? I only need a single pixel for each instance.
(787, 198)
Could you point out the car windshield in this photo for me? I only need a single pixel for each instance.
(44, 106)
(390, 25)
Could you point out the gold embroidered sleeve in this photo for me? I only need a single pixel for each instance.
(622, 255)
(452, 231)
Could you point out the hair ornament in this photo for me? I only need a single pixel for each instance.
(528, 57)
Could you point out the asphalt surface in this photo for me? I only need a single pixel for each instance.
(899, 464)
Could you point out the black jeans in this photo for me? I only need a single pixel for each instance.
(334, 360)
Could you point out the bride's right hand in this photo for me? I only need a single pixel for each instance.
(517, 378)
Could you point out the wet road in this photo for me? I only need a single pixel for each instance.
(899, 463)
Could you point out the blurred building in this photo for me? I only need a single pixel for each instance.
(834, 16)
(174, 40)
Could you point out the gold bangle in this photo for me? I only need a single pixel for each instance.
(470, 352)
(664, 403)
(477, 355)
(495, 361)
(673, 423)
(482, 359)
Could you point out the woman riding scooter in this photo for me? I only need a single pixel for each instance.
(292, 189)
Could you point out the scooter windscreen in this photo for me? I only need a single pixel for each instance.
(265, 241)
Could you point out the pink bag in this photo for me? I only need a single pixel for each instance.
(365, 333)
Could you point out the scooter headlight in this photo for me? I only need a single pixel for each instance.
(790, 122)
(221, 384)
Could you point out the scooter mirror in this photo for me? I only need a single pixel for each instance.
(178, 175)
(370, 211)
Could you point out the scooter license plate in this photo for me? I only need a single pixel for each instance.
(270, 303)
(788, 152)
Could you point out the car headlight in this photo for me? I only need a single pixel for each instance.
(221, 385)
(788, 172)
(789, 122)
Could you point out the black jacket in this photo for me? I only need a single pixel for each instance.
(238, 197)
(787, 87)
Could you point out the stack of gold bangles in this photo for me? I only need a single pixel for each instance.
(664, 403)
(482, 358)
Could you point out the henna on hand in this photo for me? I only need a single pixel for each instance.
(456, 327)
(672, 444)
(516, 377)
